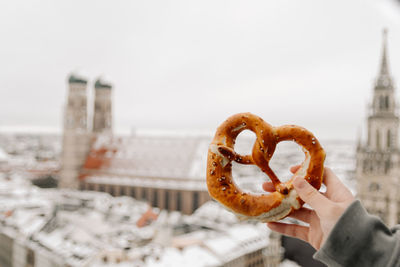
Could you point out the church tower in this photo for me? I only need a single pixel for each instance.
(102, 117)
(377, 173)
(75, 135)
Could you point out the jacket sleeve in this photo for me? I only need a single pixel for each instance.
(361, 240)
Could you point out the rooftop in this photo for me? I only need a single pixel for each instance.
(94, 229)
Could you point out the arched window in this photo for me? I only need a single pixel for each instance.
(195, 200)
(179, 201)
(365, 165)
(112, 190)
(369, 136)
(378, 139)
(373, 187)
(387, 165)
(133, 192)
(381, 102)
(144, 194)
(389, 138)
(166, 200)
(387, 102)
(155, 198)
(90, 187)
(102, 188)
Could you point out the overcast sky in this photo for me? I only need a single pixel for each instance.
(190, 64)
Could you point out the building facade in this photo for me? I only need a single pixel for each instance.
(377, 171)
(166, 171)
(69, 228)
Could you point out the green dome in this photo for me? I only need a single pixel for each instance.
(76, 79)
(102, 84)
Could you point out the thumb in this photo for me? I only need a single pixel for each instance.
(309, 194)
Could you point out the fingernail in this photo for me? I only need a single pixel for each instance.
(299, 182)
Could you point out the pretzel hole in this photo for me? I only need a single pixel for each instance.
(244, 142)
(287, 154)
(247, 177)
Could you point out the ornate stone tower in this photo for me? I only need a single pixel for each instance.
(76, 135)
(102, 117)
(377, 160)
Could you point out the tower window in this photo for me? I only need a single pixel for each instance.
(387, 166)
(369, 136)
(365, 164)
(133, 192)
(378, 140)
(387, 102)
(389, 139)
(373, 187)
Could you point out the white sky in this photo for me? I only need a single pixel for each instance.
(190, 64)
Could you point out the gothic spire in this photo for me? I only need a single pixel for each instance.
(384, 62)
(384, 81)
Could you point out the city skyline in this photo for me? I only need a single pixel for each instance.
(181, 66)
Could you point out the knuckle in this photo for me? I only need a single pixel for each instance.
(309, 214)
(310, 194)
(328, 169)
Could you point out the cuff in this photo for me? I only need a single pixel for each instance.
(358, 239)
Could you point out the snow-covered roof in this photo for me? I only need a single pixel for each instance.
(149, 156)
(95, 229)
(195, 255)
(3, 155)
(172, 183)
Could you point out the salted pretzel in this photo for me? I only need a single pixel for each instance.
(266, 207)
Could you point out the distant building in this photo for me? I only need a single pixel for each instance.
(378, 159)
(167, 172)
(51, 228)
(162, 170)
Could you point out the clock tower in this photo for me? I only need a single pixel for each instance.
(377, 160)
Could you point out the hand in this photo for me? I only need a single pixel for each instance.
(327, 208)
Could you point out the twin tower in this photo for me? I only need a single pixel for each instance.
(79, 129)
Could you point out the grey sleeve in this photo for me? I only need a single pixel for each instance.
(360, 239)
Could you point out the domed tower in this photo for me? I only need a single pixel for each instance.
(102, 117)
(75, 135)
(377, 160)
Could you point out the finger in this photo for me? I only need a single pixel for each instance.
(268, 186)
(333, 183)
(293, 230)
(295, 168)
(310, 195)
(303, 214)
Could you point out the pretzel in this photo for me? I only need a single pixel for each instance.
(265, 207)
